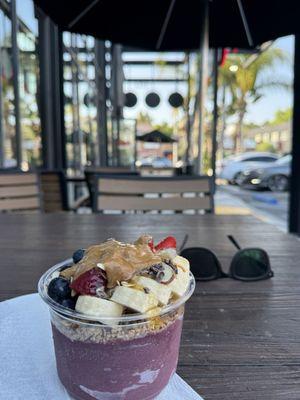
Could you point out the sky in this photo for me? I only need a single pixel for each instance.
(274, 100)
(258, 113)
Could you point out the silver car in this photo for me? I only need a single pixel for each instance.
(233, 167)
(274, 177)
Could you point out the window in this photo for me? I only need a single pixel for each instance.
(28, 84)
(8, 156)
(22, 96)
(261, 159)
(80, 100)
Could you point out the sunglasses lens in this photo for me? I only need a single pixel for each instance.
(203, 263)
(251, 264)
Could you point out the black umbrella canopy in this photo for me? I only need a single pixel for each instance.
(156, 137)
(175, 25)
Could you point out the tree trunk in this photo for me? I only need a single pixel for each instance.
(223, 126)
(239, 132)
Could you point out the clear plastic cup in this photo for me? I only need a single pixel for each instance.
(131, 358)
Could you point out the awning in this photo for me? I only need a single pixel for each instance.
(156, 137)
(143, 24)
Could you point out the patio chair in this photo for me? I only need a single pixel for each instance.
(19, 191)
(91, 172)
(140, 194)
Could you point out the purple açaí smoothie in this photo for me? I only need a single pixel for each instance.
(130, 369)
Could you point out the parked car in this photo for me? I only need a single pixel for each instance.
(162, 162)
(144, 162)
(155, 162)
(233, 166)
(275, 177)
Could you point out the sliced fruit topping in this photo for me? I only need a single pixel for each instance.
(162, 292)
(167, 243)
(101, 266)
(78, 255)
(180, 284)
(59, 289)
(166, 274)
(168, 254)
(94, 306)
(91, 282)
(134, 299)
(182, 263)
(154, 269)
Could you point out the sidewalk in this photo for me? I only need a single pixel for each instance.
(230, 204)
(226, 204)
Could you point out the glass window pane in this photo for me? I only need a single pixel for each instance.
(8, 123)
(28, 84)
(80, 97)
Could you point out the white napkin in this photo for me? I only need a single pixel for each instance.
(27, 367)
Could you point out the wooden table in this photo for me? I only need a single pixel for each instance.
(240, 340)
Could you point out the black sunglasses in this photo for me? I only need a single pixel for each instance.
(249, 264)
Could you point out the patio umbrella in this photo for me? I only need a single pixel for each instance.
(156, 137)
(176, 24)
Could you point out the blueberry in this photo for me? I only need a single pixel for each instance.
(68, 303)
(78, 255)
(59, 289)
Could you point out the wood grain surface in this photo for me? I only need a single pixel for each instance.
(240, 340)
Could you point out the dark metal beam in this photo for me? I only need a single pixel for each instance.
(215, 118)
(15, 68)
(294, 211)
(203, 77)
(188, 116)
(100, 79)
(117, 98)
(51, 94)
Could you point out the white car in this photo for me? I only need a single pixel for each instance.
(162, 162)
(232, 167)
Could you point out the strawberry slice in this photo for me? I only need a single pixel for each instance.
(89, 282)
(168, 243)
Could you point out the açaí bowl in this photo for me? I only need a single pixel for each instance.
(128, 358)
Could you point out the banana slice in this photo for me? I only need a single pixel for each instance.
(96, 307)
(135, 299)
(167, 254)
(180, 284)
(181, 263)
(162, 292)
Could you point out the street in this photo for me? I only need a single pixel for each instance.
(270, 206)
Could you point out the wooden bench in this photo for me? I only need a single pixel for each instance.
(92, 172)
(19, 191)
(33, 191)
(132, 193)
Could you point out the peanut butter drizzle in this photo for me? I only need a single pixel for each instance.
(121, 260)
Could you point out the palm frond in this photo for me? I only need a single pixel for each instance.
(274, 84)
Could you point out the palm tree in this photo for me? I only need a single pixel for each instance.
(246, 83)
